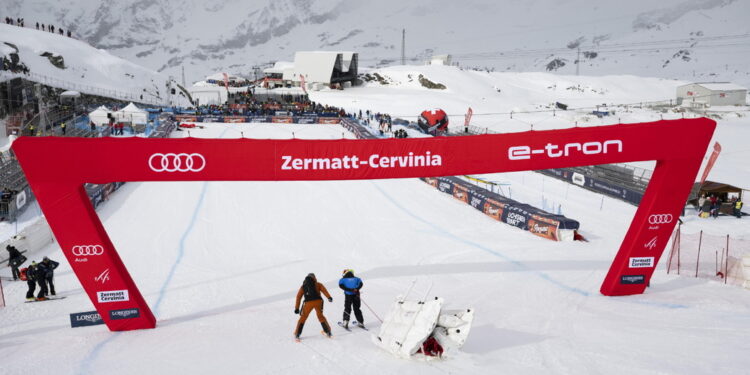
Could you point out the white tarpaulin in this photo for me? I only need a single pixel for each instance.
(407, 325)
(132, 114)
(453, 328)
(99, 116)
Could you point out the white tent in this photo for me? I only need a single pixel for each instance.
(99, 116)
(132, 114)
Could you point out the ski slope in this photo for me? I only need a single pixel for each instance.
(220, 263)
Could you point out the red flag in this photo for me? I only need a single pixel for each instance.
(302, 83)
(467, 119)
(711, 161)
(226, 81)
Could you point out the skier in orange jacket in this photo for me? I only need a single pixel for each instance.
(311, 289)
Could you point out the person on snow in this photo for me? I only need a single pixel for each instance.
(738, 208)
(14, 260)
(40, 276)
(311, 290)
(50, 265)
(351, 286)
(30, 280)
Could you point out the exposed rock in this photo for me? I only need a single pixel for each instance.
(58, 61)
(429, 84)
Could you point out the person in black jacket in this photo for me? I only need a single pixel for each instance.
(14, 260)
(50, 266)
(31, 281)
(40, 277)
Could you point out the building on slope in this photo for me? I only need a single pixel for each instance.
(317, 68)
(707, 94)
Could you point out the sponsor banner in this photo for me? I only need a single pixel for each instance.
(493, 209)
(20, 199)
(212, 119)
(235, 119)
(306, 120)
(543, 227)
(641, 262)
(432, 181)
(186, 118)
(632, 279)
(112, 296)
(516, 217)
(578, 179)
(329, 120)
(259, 119)
(445, 186)
(476, 200)
(125, 314)
(85, 319)
(461, 193)
(282, 120)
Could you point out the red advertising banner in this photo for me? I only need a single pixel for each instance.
(677, 145)
(711, 161)
(282, 120)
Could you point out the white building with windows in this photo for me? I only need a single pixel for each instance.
(707, 94)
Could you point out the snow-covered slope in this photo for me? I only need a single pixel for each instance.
(704, 40)
(222, 275)
(72, 64)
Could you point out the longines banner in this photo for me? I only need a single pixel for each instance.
(677, 145)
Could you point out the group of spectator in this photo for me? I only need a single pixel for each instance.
(243, 83)
(711, 206)
(20, 22)
(41, 274)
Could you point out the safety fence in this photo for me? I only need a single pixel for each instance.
(702, 255)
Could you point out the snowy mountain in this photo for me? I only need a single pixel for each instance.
(699, 40)
(66, 63)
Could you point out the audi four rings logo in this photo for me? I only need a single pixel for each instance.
(181, 162)
(660, 219)
(84, 250)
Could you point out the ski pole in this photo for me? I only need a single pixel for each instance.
(369, 308)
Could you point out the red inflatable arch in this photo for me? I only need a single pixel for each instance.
(57, 168)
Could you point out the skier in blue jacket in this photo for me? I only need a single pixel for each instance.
(351, 286)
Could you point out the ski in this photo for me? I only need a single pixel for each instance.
(326, 335)
(361, 326)
(48, 299)
(341, 324)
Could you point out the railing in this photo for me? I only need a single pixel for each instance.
(133, 96)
